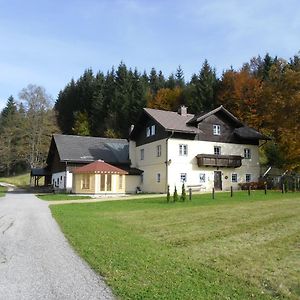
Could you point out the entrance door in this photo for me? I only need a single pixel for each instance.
(218, 180)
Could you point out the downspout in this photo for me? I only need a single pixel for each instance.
(167, 160)
(66, 164)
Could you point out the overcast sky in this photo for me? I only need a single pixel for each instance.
(49, 42)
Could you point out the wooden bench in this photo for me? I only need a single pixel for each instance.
(196, 187)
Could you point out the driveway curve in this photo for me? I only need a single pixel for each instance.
(36, 261)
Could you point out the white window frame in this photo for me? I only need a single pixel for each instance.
(142, 154)
(150, 130)
(216, 129)
(248, 175)
(236, 177)
(153, 130)
(219, 150)
(202, 177)
(158, 151)
(183, 149)
(183, 177)
(158, 178)
(247, 153)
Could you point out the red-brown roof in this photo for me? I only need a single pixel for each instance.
(99, 166)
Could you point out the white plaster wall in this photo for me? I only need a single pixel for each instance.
(58, 180)
(188, 164)
(131, 183)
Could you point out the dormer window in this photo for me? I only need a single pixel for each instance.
(150, 130)
(216, 129)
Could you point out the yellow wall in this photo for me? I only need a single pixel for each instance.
(95, 184)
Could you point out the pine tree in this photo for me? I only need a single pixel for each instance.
(175, 195)
(183, 193)
(179, 77)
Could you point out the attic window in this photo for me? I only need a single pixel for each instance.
(150, 130)
(216, 129)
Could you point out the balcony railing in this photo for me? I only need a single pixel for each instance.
(211, 160)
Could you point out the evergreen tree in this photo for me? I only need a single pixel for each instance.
(179, 77)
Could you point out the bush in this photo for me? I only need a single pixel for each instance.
(168, 194)
(183, 193)
(259, 185)
(175, 196)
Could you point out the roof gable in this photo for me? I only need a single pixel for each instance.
(99, 166)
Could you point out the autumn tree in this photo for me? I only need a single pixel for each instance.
(39, 124)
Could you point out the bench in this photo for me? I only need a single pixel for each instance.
(196, 187)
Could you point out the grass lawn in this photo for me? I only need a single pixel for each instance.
(228, 248)
(57, 197)
(3, 190)
(19, 180)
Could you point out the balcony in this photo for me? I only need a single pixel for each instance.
(211, 160)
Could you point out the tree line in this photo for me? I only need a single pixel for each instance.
(26, 127)
(264, 93)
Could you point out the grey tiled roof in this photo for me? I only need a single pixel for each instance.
(88, 149)
(249, 133)
(171, 120)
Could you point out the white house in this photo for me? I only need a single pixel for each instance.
(204, 151)
(167, 148)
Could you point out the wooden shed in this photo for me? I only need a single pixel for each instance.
(98, 177)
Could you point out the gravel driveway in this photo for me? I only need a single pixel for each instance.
(36, 261)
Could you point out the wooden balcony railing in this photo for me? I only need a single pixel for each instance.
(211, 160)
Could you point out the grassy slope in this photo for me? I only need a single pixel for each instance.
(57, 197)
(2, 191)
(240, 248)
(19, 180)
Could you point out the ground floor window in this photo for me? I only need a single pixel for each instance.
(248, 177)
(85, 183)
(233, 177)
(120, 182)
(202, 177)
(183, 177)
(108, 182)
(102, 182)
(158, 177)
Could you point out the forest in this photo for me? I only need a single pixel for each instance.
(264, 93)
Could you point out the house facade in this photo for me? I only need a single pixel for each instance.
(166, 149)
(70, 152)
(212, 150)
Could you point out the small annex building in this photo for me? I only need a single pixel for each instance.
(99, 177)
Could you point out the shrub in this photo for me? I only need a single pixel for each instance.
(260, 185)
(168, 194)
(183, 193)
(175, 196)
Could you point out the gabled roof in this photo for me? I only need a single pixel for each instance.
(248, 133)
(172, 121)
(200, 117)
(99, 166)
(83, 149)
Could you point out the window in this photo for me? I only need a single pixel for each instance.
(142, 154)
(202, 177)
(248, 177)
(183, 177)
(150, 130)
(216, 129)
(158, 177)
(102, 182)
(183, 150)
(217, 150)
(153, 130)
(120, 182)
(158, 150)
(142, 178)
(108, 182)
(247, 153)
(233, 177)
(85, 183)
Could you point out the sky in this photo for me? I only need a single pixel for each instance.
(48, 43)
